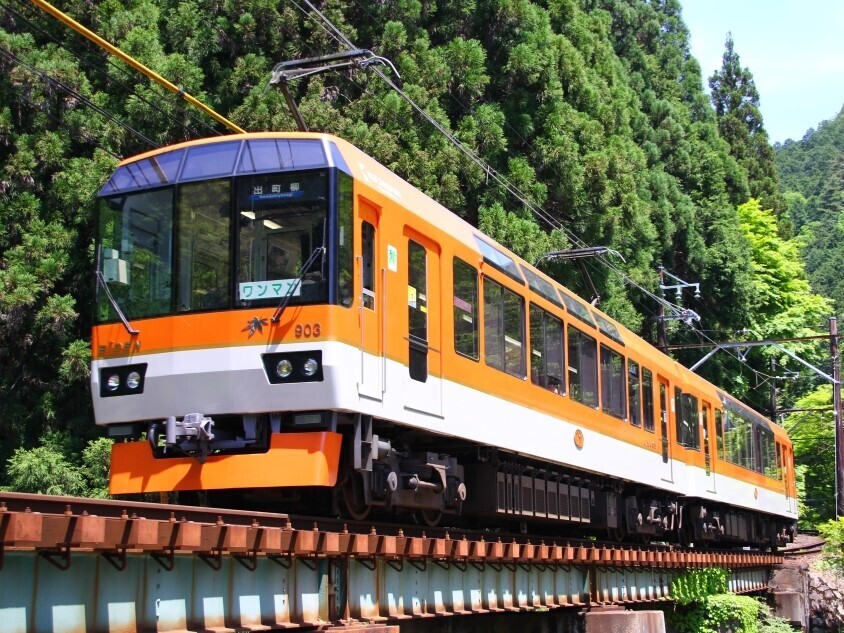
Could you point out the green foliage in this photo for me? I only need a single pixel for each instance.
(44, 470)
(785, 304)
(716, 613)
(813, 433)
(697, 584)
(738, 613)
(833, 551)
(51, 469)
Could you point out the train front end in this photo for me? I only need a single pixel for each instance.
(223, 316)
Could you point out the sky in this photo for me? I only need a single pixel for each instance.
(793, 48)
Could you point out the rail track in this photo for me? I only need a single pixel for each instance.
(45, 523)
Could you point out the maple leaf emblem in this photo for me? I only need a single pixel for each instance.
(255, 324)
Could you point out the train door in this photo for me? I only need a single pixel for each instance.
(664, 426)
(423, 384)
(372, 304)
(708, 462)
(785, 457)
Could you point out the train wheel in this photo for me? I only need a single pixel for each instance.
(616, 534)
(431, 518)
(354, 500)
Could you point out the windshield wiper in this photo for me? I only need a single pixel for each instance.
(102, 280)
(296, 283)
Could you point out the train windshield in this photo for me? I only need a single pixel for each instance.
(282, 224)
(201, 229)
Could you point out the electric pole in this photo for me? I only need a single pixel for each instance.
(836, 408)
(661, 338)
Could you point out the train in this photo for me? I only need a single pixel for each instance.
(282, 320)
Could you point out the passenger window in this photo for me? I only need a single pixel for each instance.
(583, 367)
(367, 233)
(719, 433)
(465, 309)
(546, 350)
(613, 392)
(503, 329)
(687, 419)
(634, 391)
(648, 399)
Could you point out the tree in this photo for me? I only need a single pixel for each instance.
(740, 123)
(813, 434)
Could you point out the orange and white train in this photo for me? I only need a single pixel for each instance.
(282, 318)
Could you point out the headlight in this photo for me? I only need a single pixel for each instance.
(310, 367)
(284, 368)
(133, 380)
(122, 381)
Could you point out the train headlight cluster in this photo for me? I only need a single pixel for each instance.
(122, 381)
(288, 367)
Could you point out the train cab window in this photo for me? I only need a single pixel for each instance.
(634, 392)
(465, 309)
(582, 367)
(204, 222)
(135, 237)
(613, 392)
(282, 227)
(417, 310)
(688, 426)
(345, 247)
(504, 316)
(648, 399)
(367, 240)
(546, 350)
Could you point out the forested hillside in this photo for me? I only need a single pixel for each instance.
(593, 109)
(812, 178)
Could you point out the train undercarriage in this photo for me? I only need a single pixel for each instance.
(431, 480)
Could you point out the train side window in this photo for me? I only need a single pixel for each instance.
(582, 367)
(613, 393)
(719, 433)
(546, 350)
(687, 419)
(345, 257)
(367, 240)
(779, 461)
(634, 392)
(648, 399)
(465, 309)
(504, 316)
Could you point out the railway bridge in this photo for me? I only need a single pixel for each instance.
(83, 565)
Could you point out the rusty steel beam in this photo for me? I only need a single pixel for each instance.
(132, 573)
